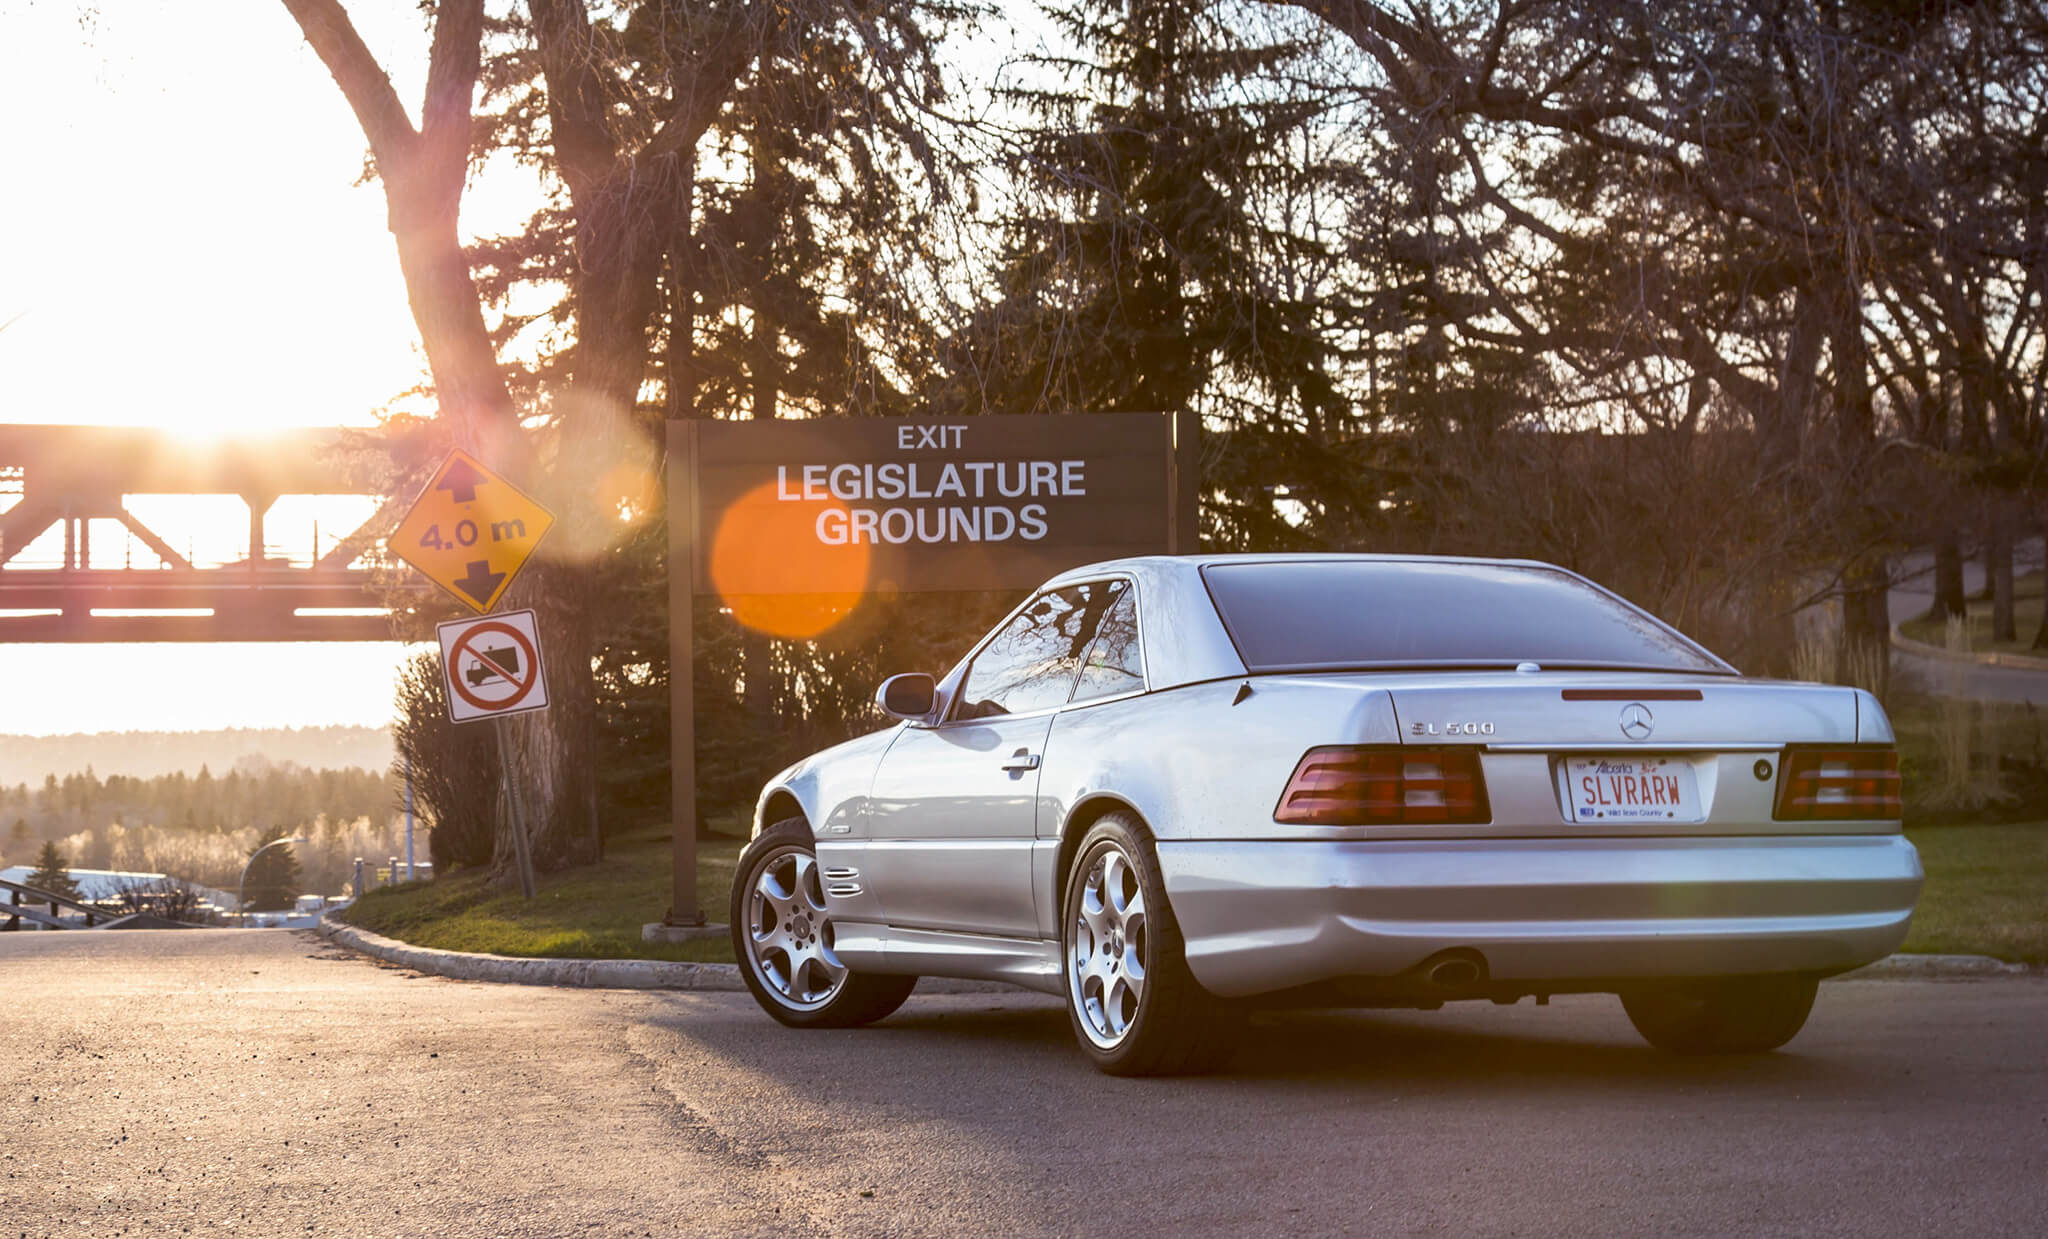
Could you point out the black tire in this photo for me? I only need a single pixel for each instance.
(1168, 1024)
(1736, 1015)
(799, 996)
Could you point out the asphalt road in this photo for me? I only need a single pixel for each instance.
(265, 1083)
(1913, 597)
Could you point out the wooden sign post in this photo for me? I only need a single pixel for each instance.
(792, 524)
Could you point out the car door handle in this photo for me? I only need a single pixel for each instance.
(1022, 759)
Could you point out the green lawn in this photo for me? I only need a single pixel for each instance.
(2007, 749)
(1987, 891)
(1987, 894)
(594, 912)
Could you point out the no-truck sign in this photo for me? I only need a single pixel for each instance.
(491, 667)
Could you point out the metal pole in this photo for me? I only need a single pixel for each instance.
(1184, 469)
(411, 871)
(682, 700)
(521, 847)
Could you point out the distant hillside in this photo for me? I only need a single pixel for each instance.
(146, 754)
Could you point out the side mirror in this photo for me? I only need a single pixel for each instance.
(907, 696)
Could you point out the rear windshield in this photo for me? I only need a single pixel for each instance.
(1410, 613)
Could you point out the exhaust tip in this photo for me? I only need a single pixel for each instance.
(1459, 971)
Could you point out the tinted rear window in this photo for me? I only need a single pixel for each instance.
(1334, 613)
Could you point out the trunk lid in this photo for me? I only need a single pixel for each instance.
(1623, 712)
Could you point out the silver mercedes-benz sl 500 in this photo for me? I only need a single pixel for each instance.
(1173, 790)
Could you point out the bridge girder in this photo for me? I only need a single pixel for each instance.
(69, 476)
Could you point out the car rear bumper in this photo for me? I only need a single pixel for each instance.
(1260, 917)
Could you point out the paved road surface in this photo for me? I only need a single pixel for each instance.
(265, 1083)
(1913, 597)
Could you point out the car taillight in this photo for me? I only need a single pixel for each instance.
(1354, 785)
(1839, 784)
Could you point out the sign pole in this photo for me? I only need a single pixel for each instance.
(522, 852)
(1183, 488)
(682, 688)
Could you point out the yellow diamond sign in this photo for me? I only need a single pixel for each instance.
(471, 531)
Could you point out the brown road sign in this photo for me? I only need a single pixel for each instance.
(471, 531)
(872, 505)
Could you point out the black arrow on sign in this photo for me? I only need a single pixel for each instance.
(461, 481)
(481, 582)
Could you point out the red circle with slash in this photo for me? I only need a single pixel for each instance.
(521, 687)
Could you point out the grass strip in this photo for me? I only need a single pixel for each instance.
(1987, 891)
(591, 912)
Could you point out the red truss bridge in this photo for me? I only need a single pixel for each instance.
(60, 484)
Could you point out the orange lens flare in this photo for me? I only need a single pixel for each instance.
(772, 569)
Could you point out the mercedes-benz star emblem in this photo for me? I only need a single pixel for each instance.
(1636, 723)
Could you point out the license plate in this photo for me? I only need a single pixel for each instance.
(1632, 789)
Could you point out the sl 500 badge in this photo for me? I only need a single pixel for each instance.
(1450, 729)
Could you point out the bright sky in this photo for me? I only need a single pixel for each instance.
(186, 247)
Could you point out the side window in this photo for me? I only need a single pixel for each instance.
(1029, 665)
(1032, 663)
(1112, 664)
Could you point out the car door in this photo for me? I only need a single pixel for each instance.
(954, 810)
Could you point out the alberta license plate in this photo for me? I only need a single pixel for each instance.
(1632, 788)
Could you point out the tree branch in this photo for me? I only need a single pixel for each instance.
(362, 80)
(452, 67)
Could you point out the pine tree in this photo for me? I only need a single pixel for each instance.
(274, 878)
(1159, 258)
(53, 873)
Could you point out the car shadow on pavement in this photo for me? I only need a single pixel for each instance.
(1466, 1046)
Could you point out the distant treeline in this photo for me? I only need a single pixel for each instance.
(257, 794)
(145, 754)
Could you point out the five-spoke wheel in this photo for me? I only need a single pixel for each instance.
(1135, 1007)
(1106, 948)
(782, 935)
(789, 935)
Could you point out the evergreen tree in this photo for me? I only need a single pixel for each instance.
(1164, 254)
(53, 873)
(274, 878)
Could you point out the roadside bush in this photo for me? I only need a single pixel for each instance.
(454, 769)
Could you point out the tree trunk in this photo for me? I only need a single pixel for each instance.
(616, 294)
(1864, 658)
(423, 171)
(1948, 578)
(1998, 553)
(2041, 633)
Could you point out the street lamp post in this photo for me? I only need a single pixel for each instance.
(242, 888)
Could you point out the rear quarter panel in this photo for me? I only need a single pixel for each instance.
(1194, 765)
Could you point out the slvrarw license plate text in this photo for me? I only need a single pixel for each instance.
(1632, 789)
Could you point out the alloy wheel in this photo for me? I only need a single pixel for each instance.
(789, 934)
(1106, 949)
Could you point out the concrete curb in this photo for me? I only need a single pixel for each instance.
(661, 974)
(1990, 658)
(581, 973)
(507, 969)
(1934, 967)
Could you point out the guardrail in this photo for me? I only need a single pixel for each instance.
(16, 911)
